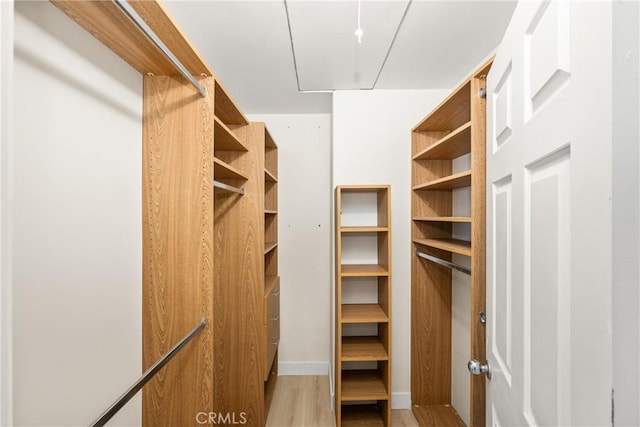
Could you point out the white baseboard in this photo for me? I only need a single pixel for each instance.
(401, 400)
(303, 368)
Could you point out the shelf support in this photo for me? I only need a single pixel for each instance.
(443, 262)
(227, 187)
(153, 37)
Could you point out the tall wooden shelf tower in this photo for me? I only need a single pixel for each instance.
(206, 230)
(363, 319)
(453, 129)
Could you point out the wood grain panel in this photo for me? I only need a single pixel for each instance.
(363, 270)
(452, 113)
(429, 203)
(478, 246)
(225, 139)
(363, 385)
(239, 260)
(451, 146)
(178, 247)
(226, 109)
(105, 21)
(466, 219)
(451, 182)
(167, 29)
(430, 334)
(363, 313)
(437, 416)
(384, 207)
(363, 349)
(461, 247)
(362, 416)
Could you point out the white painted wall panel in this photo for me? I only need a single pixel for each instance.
(6, 129)
(76, 206)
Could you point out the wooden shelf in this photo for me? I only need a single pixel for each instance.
(106, 22)
(465, 219)
(372, 229)
(362, 416)
(269, 246)
(226, 171)
(363, 188)
(363, 313)
(270, 212)
(461, 247)
(268, 176)
(363, 270)
(225, 139)
(268, 140)
(362, 349)
(225, 109)
(359, 385)
(437, 416)
(454, 111)
(451, 146)
(270, 281)
(451, 182)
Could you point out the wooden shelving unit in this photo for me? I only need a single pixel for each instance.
(363, 363)
(456, 246)
(265, 287)
(271, 331)
(455, 128)
(451, 182)
(462, 219)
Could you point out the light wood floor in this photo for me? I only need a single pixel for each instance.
(304, 401)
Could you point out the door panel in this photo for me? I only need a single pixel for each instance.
(547, 321)
(502, 300)
(549, 187)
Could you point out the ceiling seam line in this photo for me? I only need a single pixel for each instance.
(393, 41)
(293, 50)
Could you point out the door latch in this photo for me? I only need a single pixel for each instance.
(477, 368)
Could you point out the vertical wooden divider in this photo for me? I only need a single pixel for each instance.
(178, 248)
(478, 245)
(239, 242)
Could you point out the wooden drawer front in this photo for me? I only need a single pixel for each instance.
(272, 327)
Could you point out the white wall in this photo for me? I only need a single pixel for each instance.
(461, 302)
(372, 145)
(76, 211)
(304, 240)
(626, 212)
(6, 95)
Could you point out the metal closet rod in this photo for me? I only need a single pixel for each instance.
(148, 375)
(443, 262)
(153, 37)
(223, 186)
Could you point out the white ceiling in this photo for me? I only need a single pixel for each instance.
(269, 52)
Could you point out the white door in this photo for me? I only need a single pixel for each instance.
(549, 217)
